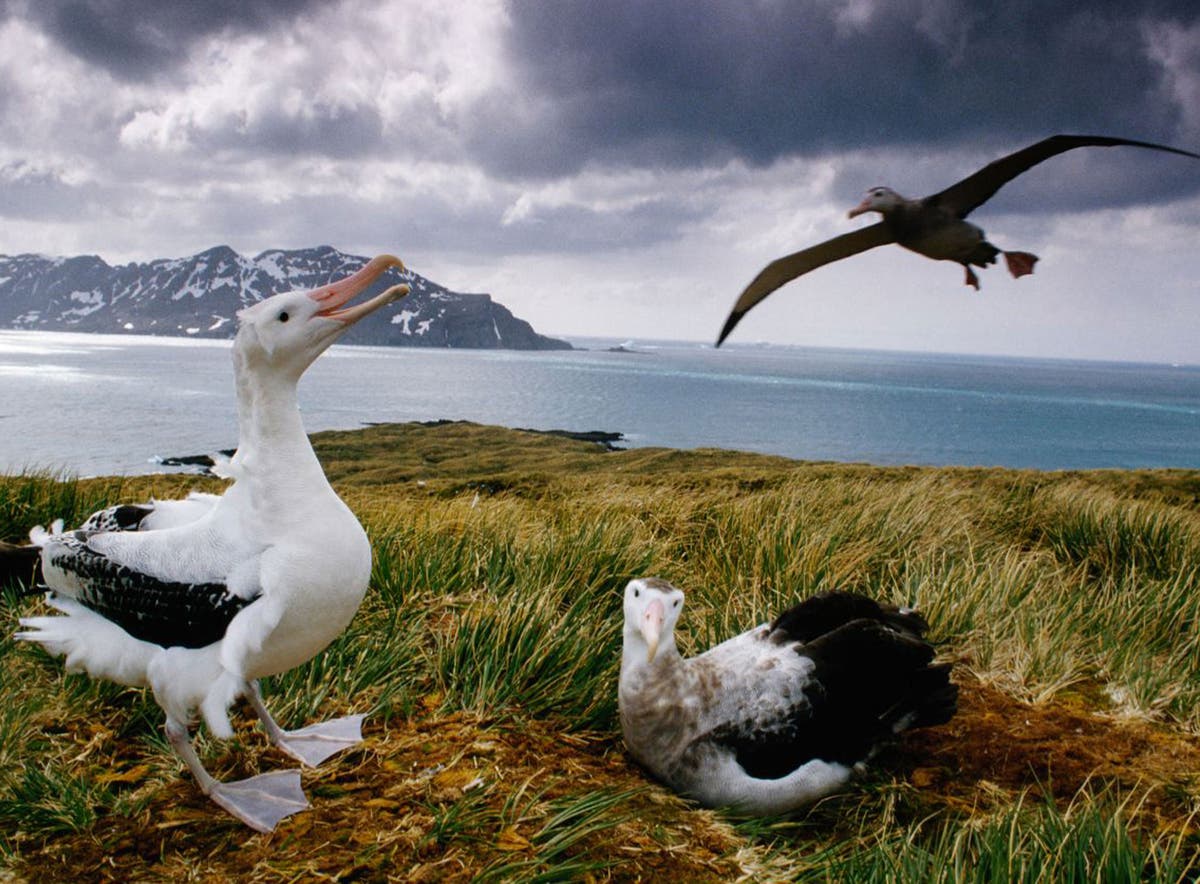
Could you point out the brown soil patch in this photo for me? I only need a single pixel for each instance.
(998, 746)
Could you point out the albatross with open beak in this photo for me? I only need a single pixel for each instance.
(199, 599)
(935, 226)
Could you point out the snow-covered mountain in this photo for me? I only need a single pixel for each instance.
(200, 296)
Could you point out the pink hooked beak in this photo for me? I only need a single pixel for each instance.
(864, 206)
(333, 296)
(651, 627)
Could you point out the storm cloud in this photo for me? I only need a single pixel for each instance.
(137, 38)
(681, 81)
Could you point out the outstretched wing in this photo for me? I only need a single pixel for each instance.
(784, 270)
(975, 190)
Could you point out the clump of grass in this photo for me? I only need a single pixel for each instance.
(540, 634)
(1093, 839)
(1108, 536)
(530, 836)
(50, 801)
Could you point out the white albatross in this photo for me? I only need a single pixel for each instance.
(934, 226)
(199, 599)
(782, 715)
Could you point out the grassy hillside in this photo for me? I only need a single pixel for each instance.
(486, 657)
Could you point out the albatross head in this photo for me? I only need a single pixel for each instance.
(652, 606)
(288, 331)
(878, 199)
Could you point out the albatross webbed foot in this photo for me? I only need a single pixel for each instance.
(260, 802)
(1020, 263)
(312, 744)
(972, 280)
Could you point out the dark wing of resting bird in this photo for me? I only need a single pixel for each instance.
(869, 681)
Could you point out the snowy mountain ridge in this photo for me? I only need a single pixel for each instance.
(199, 296)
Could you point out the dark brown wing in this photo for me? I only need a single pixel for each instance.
(785, 269)
(975, 190)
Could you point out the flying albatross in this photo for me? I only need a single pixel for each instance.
(935, 226)
(782, 715)
(200, 598)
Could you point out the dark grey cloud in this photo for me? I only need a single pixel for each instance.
(683, 82)
(138, 38)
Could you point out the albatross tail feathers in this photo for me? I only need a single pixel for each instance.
(90, 643)
(20, 568)
(214, 708)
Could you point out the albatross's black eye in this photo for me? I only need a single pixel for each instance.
(675, 604)
(283, 317)
(637, 593)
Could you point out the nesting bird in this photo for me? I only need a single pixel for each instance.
(934, 226)
(200, 598)
(779, 716)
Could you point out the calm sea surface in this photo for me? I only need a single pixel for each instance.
(99, 404)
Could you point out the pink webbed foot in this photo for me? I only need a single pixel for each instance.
(313, 744)
(1020, 263)
(260, 802)
(972, 280)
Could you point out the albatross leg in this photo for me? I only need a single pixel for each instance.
(972, 280)
(1020, 263)
(260, 802)
(313, 744)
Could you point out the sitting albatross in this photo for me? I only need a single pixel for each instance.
(782, 715)
(200, 598)
(935, 226)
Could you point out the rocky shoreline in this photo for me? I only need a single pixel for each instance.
(203, 463)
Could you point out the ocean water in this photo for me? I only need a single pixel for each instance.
(101, 404)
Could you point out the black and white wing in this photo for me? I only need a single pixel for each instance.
(169, 613)
(760, 700)
(830, 679)
(152, 516)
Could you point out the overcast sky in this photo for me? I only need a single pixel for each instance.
(624, 167)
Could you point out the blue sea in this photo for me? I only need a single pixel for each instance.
(106, 404)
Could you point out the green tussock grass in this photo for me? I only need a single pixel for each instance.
(1071, 600)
